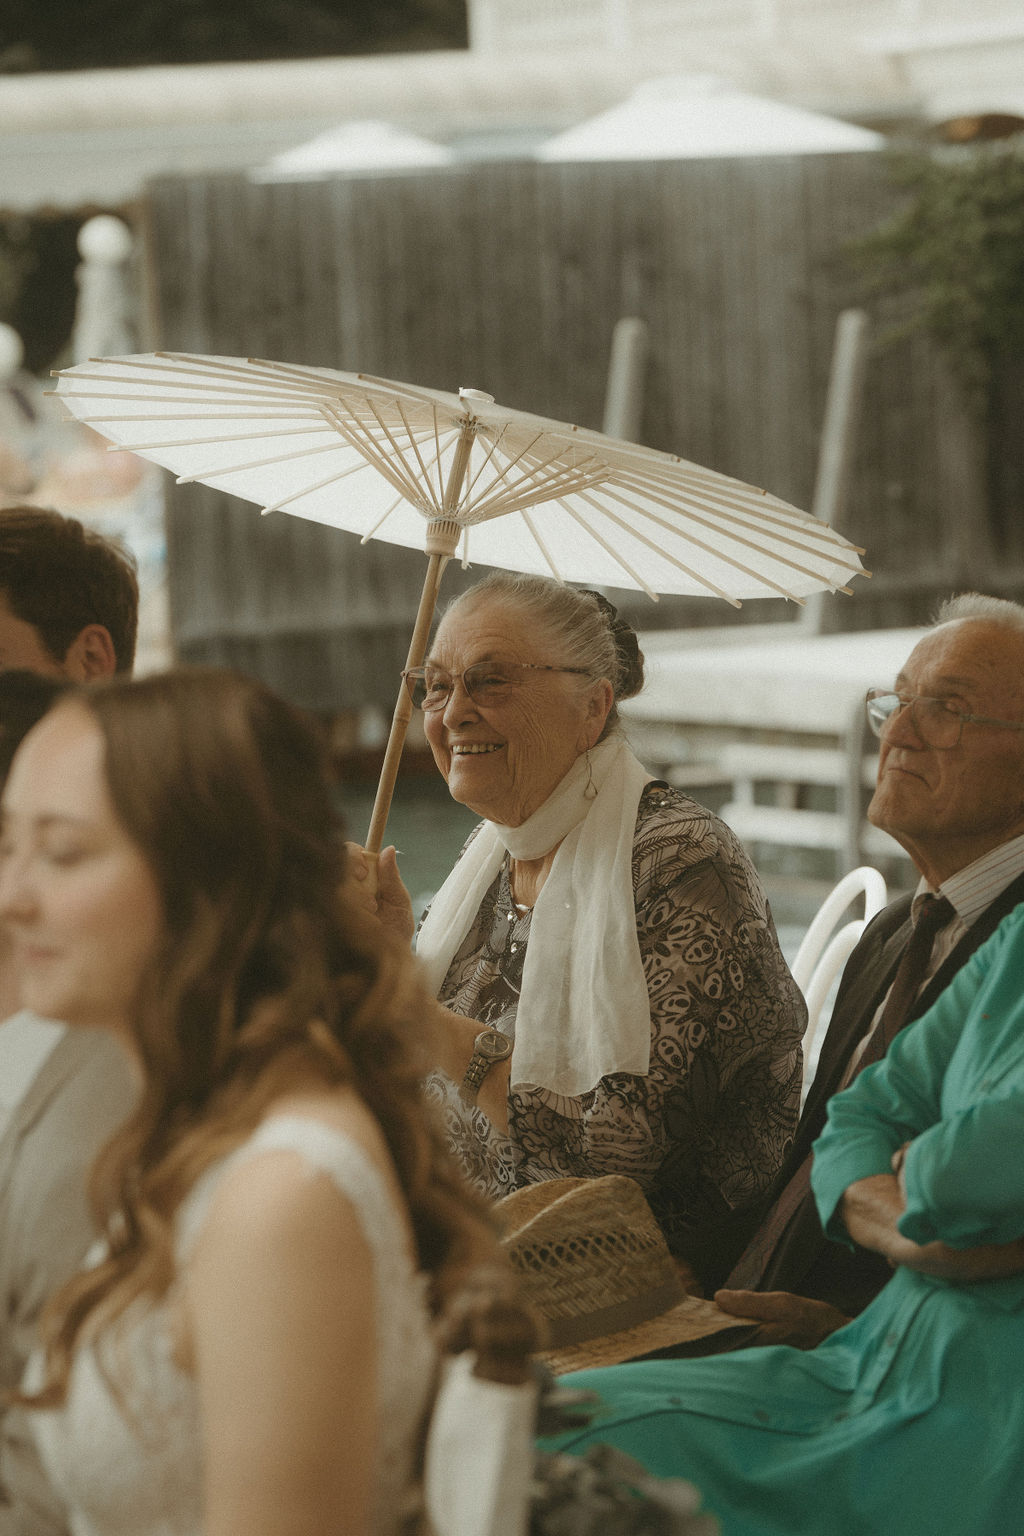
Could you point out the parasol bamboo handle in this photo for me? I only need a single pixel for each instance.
(403, 711)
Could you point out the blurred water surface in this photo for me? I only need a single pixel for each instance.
(426, 825)
(428, 828)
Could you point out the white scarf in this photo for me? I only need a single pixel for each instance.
(583, 1009)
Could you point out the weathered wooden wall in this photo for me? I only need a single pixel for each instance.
(510, 278)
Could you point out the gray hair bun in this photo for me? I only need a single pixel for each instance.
(628, 654)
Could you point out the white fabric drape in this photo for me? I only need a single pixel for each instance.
(583, 1009)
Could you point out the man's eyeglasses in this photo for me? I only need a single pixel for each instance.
(487, 683)
(938, 724)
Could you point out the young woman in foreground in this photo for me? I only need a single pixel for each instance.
(252, 1351)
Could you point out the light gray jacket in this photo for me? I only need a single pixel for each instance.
(80, 1096)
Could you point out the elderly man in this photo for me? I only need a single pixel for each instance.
(951, 790)
(68, 611)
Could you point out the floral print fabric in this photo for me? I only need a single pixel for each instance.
(707, 1128)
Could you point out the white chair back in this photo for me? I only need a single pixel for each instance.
(479, 1457)
(826, 949)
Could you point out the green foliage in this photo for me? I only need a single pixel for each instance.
(953, 257)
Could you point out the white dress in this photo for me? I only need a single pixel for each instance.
(130, 1464)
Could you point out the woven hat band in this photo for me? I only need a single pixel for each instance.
(564, 1331)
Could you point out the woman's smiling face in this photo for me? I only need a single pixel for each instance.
(503, 760)
(76, 894)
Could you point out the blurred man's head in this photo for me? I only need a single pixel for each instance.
(951, 788)
(69, 598)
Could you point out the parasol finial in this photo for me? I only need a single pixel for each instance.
(442, 536)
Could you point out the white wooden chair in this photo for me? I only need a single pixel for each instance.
(479, 1459)
(479, 1453)
(826, 948)
(481, 1472)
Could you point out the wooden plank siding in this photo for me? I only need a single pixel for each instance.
(509, 277)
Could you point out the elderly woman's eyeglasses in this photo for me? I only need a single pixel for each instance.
(938, 724)
(487, 683)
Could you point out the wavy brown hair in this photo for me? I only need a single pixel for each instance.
(263, 978)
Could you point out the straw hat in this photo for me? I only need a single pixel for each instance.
(594, 1264)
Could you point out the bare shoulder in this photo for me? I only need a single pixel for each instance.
(281, 1200)
(341, 1110)
(281, 1207)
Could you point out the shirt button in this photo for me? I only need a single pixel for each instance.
(513, 948)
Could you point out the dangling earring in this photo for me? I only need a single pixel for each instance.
(589, 788)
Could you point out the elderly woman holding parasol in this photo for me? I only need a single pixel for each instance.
(611, 995)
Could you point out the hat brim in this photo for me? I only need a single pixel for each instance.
(692, 1318)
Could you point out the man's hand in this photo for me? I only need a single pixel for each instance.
(899, 1159)
(784, 1318)
(375, 885)
(871, 1209)
(966, 1266)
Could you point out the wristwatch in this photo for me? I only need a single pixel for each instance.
(490, 1046)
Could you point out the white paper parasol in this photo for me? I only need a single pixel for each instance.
(455, 474)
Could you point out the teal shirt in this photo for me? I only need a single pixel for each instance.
(953, 1086)
(910, 1420)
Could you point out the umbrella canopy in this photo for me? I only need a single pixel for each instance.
(456, 473)
(391, 461)
(693, 117)
(363, 145)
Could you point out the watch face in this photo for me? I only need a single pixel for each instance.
(492, 1044)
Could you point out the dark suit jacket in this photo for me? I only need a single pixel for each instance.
(804, 1260)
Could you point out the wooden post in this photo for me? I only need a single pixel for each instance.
(624, 395)
(838, 434)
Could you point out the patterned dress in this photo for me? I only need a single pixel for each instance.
(707, 1127)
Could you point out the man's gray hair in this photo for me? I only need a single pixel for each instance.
(975, 605)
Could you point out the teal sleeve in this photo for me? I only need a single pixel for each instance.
(965, 1176)
(896, 1099)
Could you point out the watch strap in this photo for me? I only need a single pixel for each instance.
(479, 1066)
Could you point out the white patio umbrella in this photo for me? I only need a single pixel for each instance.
(362, 144)
(695, 117)
(451, 473)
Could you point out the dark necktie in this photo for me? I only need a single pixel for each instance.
(934, 912)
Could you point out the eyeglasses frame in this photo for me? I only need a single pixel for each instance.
(912, 699)
(410, 674)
